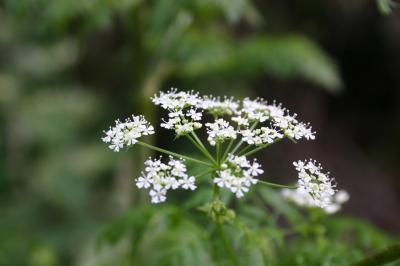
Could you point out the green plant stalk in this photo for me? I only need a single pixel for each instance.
(205, 152)
(389, 254)
(245, 149)
(259, 148)
(218, 151)
(227, 149)
(275, 185)
(204, 173)
(241, 142)
(220, 231)
(198, 140)
(173, 154)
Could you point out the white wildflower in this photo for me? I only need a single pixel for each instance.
(263, 135)
(160, 177)
(188, 182)
(181, 121)
(126, 133)
(303, 199)
(174, 100)
(220, 131)
(218, 107)
(238, 174)
(317, 184)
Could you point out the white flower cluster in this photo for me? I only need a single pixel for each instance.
(260, 136)
(183, 117)
(160, 177)
(254, 122)
(279, 123)
(274, 122)
(218, 107)
(237, 174)
(317, 184)
(220, 131)
(126, 133)
(304, 199)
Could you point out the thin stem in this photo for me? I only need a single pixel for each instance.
(227, 149)
(173, 153)
(227, 246)
(218, 151)
(202, 145)
(275, 185)
(204, 173)
(244, 149)
(215, 192)
(241, 141)
(205, 153)
(237, 146)
(198, 140)
(260, 148)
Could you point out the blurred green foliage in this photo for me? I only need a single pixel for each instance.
(68, 68)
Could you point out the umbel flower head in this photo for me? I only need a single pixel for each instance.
(126, 133)
(314, 182)
(160, 177)
(237, 174)
(303, 199)
(183, 115)
(235, 131)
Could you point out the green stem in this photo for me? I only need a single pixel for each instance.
(204, 173)
(241, 142)
(275, 185)
(198, 140)
(227, 246)
(215, 192)
(259, 148)
(202, 145)
(218, 151)
(173, 153)
(227, 149)
(202, 150)
(389, 254)
(244, 149)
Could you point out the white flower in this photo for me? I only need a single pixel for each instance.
(220, 131)
(255, 169)
(174, 100)
(279, 123)
(196, 116)
(181, 121)
(218, 107)
(143, 182)
(158, 195)
(241, 121)
(160, 177)
(127, 133)
(188, 183)
(239, 187)
(224, 179)
(317, 184)
(303, 199)
(238, 174)
(342, 196)
(263, 135)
